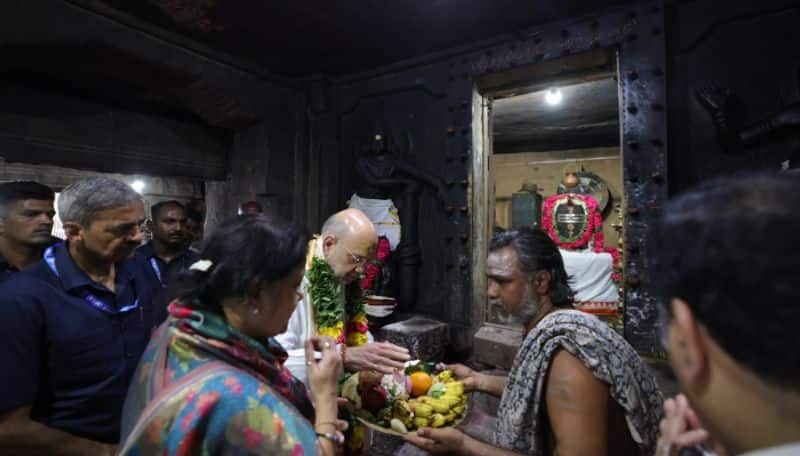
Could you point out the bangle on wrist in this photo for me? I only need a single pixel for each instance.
(332, 436)
(344, 355)
(332, 423)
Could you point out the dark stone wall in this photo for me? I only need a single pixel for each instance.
(263, 166)
(132, 100)
(44, 126)
(414, 106)
(89, 91)
(748, 47)
(430, 101)
(89, 88)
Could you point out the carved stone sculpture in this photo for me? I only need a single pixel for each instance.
(734, 138)
(385, 173)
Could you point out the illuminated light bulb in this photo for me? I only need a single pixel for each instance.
(138, 185)
(553, 97)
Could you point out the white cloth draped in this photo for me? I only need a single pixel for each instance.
(383, 214)
(591, 275)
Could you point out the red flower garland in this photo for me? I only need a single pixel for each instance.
(371, 270)
(384, 248)
(591, 208)
(357, 327)
(593, 230)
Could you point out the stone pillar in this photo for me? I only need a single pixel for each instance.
(218, 208)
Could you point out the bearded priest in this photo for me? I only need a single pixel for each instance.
(331, 303)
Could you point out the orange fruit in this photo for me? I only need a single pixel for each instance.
(420, 383)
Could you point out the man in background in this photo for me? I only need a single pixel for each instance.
(167, 253)
(194, 227)
(26, 224)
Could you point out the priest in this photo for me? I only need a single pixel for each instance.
(331, 303)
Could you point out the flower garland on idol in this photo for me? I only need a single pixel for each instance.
(329, 314)
(592, 231)
(371, 270)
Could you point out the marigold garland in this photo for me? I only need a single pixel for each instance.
(328, 311)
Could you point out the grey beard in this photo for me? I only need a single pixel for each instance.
(529, 311)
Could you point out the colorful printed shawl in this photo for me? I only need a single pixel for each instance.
(202, 387)
(610, 358)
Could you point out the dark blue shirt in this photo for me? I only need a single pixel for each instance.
(7, 269)
(166, 274)
(69, 360)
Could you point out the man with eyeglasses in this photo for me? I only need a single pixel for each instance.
(74, 327)
(347, 243)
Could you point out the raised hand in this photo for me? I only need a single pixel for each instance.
(323, 378)
(323, 373)
(681, 428)
(384, 357)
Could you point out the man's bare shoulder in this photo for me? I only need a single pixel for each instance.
(569, 381)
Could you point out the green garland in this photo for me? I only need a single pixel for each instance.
(325, 291)
(354, 300)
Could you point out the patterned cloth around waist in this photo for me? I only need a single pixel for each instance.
(610, 358)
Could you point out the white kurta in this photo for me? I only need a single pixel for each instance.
(301, 326)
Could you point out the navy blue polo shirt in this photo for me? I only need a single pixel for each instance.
(166, 274)
(69, 360)
(7, 269)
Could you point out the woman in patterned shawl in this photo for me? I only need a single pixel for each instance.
(212, 379)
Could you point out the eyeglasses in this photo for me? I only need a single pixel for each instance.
(358, 260)
(128, 230)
